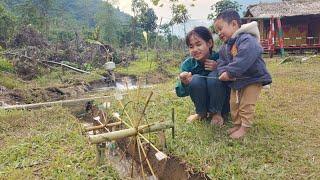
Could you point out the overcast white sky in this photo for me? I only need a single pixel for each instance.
(200, 11)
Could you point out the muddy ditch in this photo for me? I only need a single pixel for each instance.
(77, 90)
(169, 168)
(120, 154)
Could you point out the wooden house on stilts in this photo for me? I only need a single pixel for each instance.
(291, 25)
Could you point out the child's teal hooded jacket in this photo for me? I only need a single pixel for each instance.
(195, 67)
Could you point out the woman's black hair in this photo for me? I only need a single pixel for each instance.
(202, 32)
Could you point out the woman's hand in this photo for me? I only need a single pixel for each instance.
(210, 65)
(185, 77)
(225, 77)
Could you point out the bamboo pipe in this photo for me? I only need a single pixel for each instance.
(67, 66)
(49, 104)
(129, 132)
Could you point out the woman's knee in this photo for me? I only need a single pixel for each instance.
(197, 83)
(215, 83)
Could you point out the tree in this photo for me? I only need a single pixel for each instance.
(223, 5)
(179, 15)
(107, 21)
(139, 7)
(148, 20)
(165, 29)
(7, 22)
(36, 12)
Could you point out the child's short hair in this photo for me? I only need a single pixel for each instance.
(229, 15)
(201, 31)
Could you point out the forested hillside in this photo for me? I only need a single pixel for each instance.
(61, 20)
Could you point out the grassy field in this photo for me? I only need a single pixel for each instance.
(283, 143)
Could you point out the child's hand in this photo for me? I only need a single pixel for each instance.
(210, 65)
(185, 77)
(225, 77)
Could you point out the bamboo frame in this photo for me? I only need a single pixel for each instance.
(99, 138)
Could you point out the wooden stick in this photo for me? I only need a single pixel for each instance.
(134, 152)
(143, 174)
(145, 155)
(122, 106)
(144, 109)
(102, 126)
(129, 132)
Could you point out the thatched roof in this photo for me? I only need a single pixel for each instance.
(284, 9)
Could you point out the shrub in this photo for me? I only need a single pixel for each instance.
(6, 66)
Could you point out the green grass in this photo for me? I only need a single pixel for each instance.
(46, 144)
(10, 81)
(5, 65)
(52, 79)
(144, 65)
(57, 78)
(283, 143)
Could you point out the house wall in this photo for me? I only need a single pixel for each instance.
(314, 29)
(296, 29)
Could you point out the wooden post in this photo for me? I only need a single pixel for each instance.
(173, 119)
(271, 38)
(280, 36)
(261, 27)
(101, 154)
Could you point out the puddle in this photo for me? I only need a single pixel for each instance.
(121, 84)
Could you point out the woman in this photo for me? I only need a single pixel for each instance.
(199, 78)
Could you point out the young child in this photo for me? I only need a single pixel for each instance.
(242, 65)
(199, 78)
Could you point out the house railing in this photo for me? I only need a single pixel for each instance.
(294, 43)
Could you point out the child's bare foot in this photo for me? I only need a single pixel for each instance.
(217, 119)
(193, 117)
(239, 133)
(233, 129)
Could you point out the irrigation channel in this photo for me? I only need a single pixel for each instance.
(123, 144)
